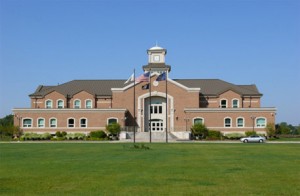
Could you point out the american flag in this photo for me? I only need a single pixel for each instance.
(143, 78)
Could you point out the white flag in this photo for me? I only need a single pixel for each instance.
(130, 79)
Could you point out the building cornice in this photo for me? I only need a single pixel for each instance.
(218, 110)
(65, 110)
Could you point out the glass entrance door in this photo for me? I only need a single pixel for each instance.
(156, 125)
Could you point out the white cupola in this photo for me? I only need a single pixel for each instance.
(156, 54)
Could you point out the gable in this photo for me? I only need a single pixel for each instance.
(82, 94)
(230, 94)
(153, 77)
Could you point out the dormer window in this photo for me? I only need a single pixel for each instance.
(88, 104)
(77, 104)
(60, 104)
(223, 103)
(49, 104)
(235, 103)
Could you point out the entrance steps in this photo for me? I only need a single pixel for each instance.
(155, 136)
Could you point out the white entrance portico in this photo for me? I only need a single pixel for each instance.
(157, 109)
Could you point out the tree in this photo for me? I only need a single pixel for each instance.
(270, 129)
(199, 130)
(283, 128)
(7, 128)
(7, 120)
(114, 128)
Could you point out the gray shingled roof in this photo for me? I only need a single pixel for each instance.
(217, 87)
(156, 65)
(208, 87)
(94, 87)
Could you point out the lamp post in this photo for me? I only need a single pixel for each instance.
(253, 118)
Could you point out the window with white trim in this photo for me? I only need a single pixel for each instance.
(235, 103)
(71, 122)
(41, 122)
(198, 121)
(223, 103)
(27, 122)
(227, 122)
(60, 104)
(49, 104)
(88, 103)
(83, 122)
(77, 104)
(260, 122)
(156, 109)
(240, 122)
(53, 122)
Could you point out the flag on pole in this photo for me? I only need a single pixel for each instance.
(130, 79)
(145, 87)
(161, 77)
(143, 78)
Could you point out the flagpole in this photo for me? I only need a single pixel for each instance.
(150, 106)
(166, 106)
(134, 120)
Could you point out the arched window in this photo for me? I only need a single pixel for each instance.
(83, 122)
(77, 104)
(235, 103)
(71, 122)
(88, 103)
(60, 104)
(227, 122)
(41, 122)
(240, 122)
(198, 120)
(223, 103)
(49, 104)
(53, 122)
(112, 120)
(260, 122)
(27, 122)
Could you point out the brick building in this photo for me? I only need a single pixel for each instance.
(88, 105)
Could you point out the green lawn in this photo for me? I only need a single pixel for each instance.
(165, 169)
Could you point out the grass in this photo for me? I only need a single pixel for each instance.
(164, 169)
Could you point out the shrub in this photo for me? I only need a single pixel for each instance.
(58, 134)
(199, 131)
(98, 134)
(31, 136)
(46, 136)
(234, 136)
(248, 133)
(75, 136)
(214, 135)
(79, 136)
(114, 128)
(70, 136)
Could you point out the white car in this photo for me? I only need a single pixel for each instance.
(253, 138)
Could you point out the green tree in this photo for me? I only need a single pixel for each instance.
(270, 129)
(114, 128)
(199, 130)
(7, 128)
(7, 120)
(283, 128)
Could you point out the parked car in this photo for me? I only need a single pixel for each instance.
(253, 138)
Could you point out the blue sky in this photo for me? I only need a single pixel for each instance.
(243, 42)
